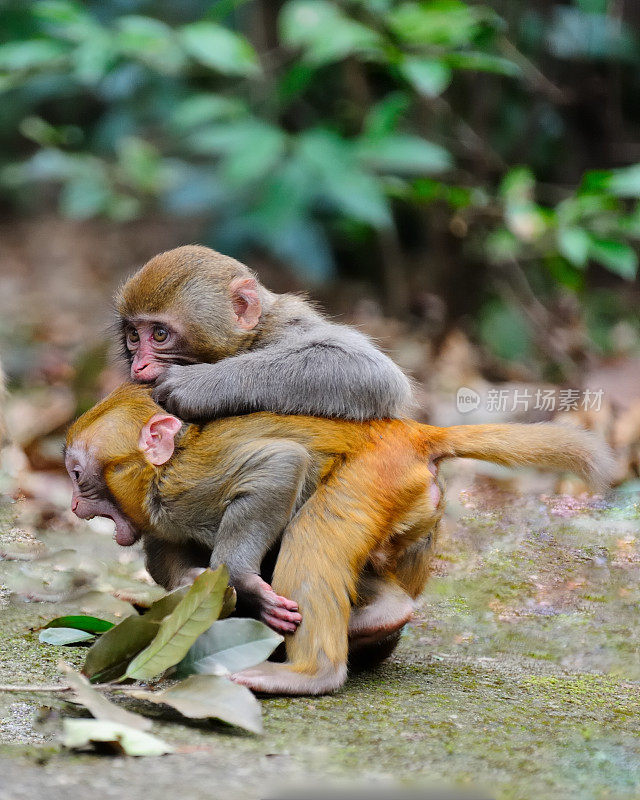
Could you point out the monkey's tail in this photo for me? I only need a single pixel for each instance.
(543, 445)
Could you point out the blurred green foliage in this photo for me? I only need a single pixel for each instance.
(297, 126)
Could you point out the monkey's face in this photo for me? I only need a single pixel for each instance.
(91, 497)
(152, 345)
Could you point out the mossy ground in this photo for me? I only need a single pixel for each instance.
(518, 678)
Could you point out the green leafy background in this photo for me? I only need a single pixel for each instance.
(416, 146)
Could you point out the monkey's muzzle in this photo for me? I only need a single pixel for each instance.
(125, 534)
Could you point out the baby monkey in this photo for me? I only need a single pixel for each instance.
(351, 501)
(216, 343)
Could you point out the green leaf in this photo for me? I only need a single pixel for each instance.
(383, 118)
(31, 54)
(258, 151)
(505, 331)
(64, 636)
(80, 733)
(219, 48)
(574, 244)
(518, 186)
(440, 22)
(340, 180)
(404, 153)
(140, 164)
(149, 40)
(94, 57)
(325, 33)
(166, 605)
(99, 706)
(228, 602)
(201, 108)
(84, 196)
(109, 657)
(502, 246)
(230, 644)
(81, 622)
(574, 34)
(211, 696)
(428, 76)
(250, 148)
(483, 62)
(64, 19)
(617, 257)
(192, 616)
(625, 182)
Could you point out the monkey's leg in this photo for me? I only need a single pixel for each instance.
(266, 488)
(385, 590)
(383, 608)
(386, 600)
(323, 551)
(173, 565)
(414, 564)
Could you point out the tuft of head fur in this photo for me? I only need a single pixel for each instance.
(114, 424)
(546, 445)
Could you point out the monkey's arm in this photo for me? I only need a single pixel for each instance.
(265, 484)
(331, 372)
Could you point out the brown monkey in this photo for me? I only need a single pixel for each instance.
(349, 497)
(218, 343)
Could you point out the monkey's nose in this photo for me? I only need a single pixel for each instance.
(74, 505)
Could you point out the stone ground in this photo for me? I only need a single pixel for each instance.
(518, 678)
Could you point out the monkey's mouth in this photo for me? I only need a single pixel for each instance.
(125, 534)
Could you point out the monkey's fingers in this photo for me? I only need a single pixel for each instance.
(284, 602)
(278, 617)
(278, 625)
(283, 613)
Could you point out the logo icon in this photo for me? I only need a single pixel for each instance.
(467, 400)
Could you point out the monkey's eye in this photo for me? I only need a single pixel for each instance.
(160, 334)
(133, 337)
(76, 474)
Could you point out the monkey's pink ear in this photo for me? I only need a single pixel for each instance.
(157, 438)
(246, 302)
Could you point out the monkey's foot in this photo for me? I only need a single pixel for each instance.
(387, 613)
(283, 679)
(276, 611)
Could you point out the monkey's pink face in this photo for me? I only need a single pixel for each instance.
(153, 346)
(91, 497)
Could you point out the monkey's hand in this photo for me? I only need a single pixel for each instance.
(187, 391)
(275, 611)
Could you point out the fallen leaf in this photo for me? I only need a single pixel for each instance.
(61, 636)
(211, 696)
(109, 657)
(192, 616)
(164, 606)
(99, 706)
(229, 603)
(81, 622)
(80, 733)
(230, 644)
